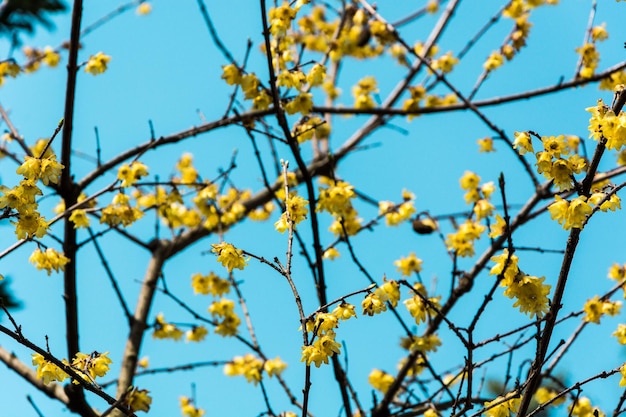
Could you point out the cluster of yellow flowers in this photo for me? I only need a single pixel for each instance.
(582, 408)
(97, 64)
(595, 308)
(611, 82)
(423, 344)
(46, 169)
(503, 406)
(380, 380)
(420, 306)
(130, 174)
(229, 256)
(49, 260)
(165, 330)
(376, 302)
(545, 394)
(311, 127)
(353, 38)
(252, 367)
(138, 400)
(335, 197)
(322, 326)
(188, 409)
(34, 58)
(22, 198)
(363, 91)
(396, 214)
(296, 211)
(462, 241)
(209, 284)
(559, 161)
(8, 69)
(229, 206)
(206, 207)
(573, 214)
(48, 371)
(120, 212)
(89, 367)
(519, 11)
(224, 309)
(589, 55)
(530, 292)
(603, 123)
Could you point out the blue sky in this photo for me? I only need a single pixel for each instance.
(165, 69)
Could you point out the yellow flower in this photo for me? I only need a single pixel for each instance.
(469, 181)
(248, 366)
(423, 344)
(302, 103)
(188, 409)
(389, 292)
(48, 260)
(48, 371)
(231, 74)
(494, 61)
(595, 308)
(617, 272)
(583, 408)
(316, 75)
(406, 266)
(225, 309)
(297, 207)
(485, 145)
(97, 64)
(483, 209)
(570, 214)
(511, 266)
(30, 169)
(94, 365)
(445, 63)
(209, 284)
(620, 333)
(523, 143)
(331, 253)
(497, 228)
(138, 400)
(51, 57)
(79, 218)
(291, 79)
(274, 366)
(130, 174)
(530, 293)
(430, 413)
(599, 33)
(50, 170)
(380, 380)
(197, 334)
(164, 330)
(372, 304)
(143, 362)
(544, 395)
(344, 311)
(144, 8)
(229, 256)
(336, 199)
(502, 406)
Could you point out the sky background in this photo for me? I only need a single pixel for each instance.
(165, 69)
